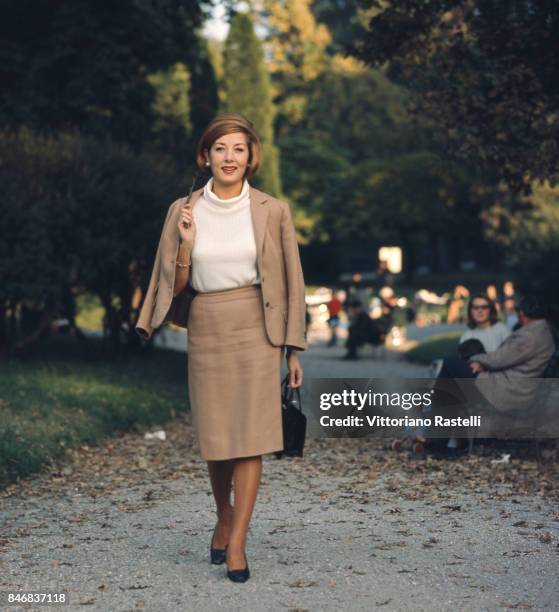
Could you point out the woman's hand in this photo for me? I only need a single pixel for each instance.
(295, 369)
(187, 235)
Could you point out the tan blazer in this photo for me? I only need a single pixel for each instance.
(279, 265)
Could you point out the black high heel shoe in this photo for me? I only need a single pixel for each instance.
(217, 555)
(239, 575)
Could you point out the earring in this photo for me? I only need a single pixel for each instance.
(207, 163)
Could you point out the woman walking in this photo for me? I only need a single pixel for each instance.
(236, 246)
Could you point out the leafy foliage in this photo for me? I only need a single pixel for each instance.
(77, 212)
(69, 64)
(246, 86)
(485, 70)
(362, 170)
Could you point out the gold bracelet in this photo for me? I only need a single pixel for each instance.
(179, 263)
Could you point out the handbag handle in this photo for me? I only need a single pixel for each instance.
(289, 391)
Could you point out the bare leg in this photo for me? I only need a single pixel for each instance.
(221, 475)
(246, 476)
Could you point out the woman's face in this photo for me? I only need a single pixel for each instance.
(481, 311)
(228, 157)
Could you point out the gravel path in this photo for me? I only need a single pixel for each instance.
(352, 526)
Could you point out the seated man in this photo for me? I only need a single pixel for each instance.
(362, 330)
(505, 377)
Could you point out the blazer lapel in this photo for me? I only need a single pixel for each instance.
(259, 214)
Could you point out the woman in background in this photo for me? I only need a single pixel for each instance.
(484, 325)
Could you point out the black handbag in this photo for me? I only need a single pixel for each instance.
(294, 422)
(180, 307)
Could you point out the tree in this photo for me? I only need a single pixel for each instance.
(296, 49)
(84, 64)
(485, 70)
(76, 213)
(246, 90)
(355, 130)
(343, 20)
(171, 106)
(204, 101)
(530, 237)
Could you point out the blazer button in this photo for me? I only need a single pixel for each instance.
(267, 303)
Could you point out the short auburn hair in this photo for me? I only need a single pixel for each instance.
(227, 123)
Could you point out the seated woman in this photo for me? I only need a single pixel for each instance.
(484, 324)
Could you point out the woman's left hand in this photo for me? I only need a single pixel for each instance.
(295, 369)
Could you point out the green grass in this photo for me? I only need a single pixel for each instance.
(434, 347)
(65, 395)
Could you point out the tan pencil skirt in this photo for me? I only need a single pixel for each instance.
(234, 375)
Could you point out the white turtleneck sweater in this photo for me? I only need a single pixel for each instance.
(224, 251)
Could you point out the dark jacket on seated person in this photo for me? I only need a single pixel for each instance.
(470, 347)
(510, 382)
